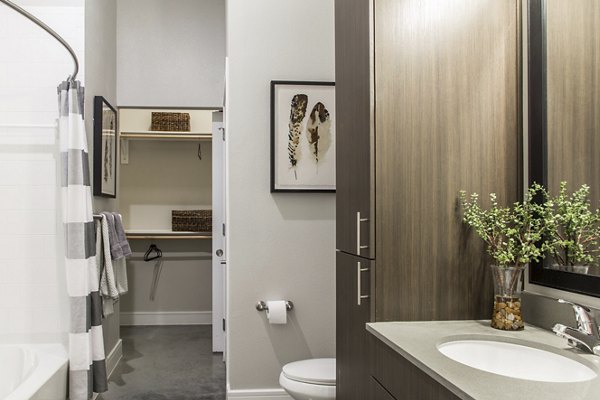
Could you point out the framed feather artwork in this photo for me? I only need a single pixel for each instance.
(105, 148)
(302, 136)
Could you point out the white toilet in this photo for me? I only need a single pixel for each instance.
(309, 379)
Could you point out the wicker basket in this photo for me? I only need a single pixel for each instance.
(192, 220)
(170, 121)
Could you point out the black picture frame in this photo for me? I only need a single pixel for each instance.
(538, 150)
(278, 112)
(105, 148)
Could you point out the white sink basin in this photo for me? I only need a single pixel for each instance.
(516, 361)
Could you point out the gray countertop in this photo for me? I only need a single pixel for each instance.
(417, 342)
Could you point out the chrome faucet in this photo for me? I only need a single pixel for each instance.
(587, 335)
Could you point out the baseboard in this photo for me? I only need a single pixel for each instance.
(258, 394)
(114, 357)
(166, 318)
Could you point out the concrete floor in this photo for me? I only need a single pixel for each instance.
(167, 362)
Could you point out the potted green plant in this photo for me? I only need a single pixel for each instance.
(573, 230)
(513, 236)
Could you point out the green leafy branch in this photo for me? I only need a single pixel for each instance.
(574, 229)
(513, 235)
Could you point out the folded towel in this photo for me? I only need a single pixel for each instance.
(108, 286)
(121, 236)
(111, 273)
(108, 306)
(116, 250)
(120, 267)
(105, 268)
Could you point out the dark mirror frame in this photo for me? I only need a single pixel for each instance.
(537, 150)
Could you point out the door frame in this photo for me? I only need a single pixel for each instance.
(219, 293)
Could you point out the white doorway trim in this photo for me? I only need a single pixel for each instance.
(218, 234)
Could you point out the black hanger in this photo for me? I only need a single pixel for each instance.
(151, 249)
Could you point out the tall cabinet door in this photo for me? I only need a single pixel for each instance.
(354, 127)
(448, 118)
(353, 312)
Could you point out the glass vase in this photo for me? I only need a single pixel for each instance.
(507, 298)
(578, 269)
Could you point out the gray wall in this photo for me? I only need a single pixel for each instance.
(281, 246)
(171, 53)
(184, 284)
(101, 80)
(160, 177)
(100, 69)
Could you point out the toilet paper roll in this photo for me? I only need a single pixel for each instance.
(277, 312)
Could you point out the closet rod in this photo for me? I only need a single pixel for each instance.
(168, 237)
(50, 31)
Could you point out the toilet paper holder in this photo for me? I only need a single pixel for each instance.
(262, 306)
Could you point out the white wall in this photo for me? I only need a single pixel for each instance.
(33, 300)
(281, 246)
(171, 53)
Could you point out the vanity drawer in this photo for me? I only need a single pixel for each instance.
(400, 379)
(378, 392)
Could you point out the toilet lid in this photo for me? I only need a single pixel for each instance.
(318, 371)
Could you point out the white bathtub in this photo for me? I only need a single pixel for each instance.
(33, 372)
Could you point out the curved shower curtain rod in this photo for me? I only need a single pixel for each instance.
(49, 30)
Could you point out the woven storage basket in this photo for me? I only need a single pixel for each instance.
(192, 220)
(170, 121)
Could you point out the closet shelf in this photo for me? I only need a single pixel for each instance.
(166, 136)
(166, 234)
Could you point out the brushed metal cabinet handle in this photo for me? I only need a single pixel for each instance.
(359, 295)
(359, 247)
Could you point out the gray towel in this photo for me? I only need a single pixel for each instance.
(120, 267)
(116, 251)
(121, 236)
(108, 289)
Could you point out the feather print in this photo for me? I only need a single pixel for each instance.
(318, 131)
(297, 114)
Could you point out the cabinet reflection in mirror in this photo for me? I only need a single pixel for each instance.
(564, 114)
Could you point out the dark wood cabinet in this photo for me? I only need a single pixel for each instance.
(355, 194)
(378, 392)
(401, 379)
(353, 312)
(428, 102)
(354, 128)
(447, 117)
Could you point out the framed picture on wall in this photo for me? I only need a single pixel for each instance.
(105, 148)
(302, 136)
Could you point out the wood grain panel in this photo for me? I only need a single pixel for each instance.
(352, 352)
(378, 392)
(447, 118)
(573, 94)
(354, 177)
(401, 378)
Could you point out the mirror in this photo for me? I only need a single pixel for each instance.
(564, 115)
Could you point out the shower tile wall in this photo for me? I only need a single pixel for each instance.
(33, 304)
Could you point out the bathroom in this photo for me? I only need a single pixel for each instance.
(279, 244)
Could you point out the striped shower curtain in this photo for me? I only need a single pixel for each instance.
(87, 366)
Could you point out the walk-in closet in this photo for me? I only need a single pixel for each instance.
(168, 179)
(162, 174)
